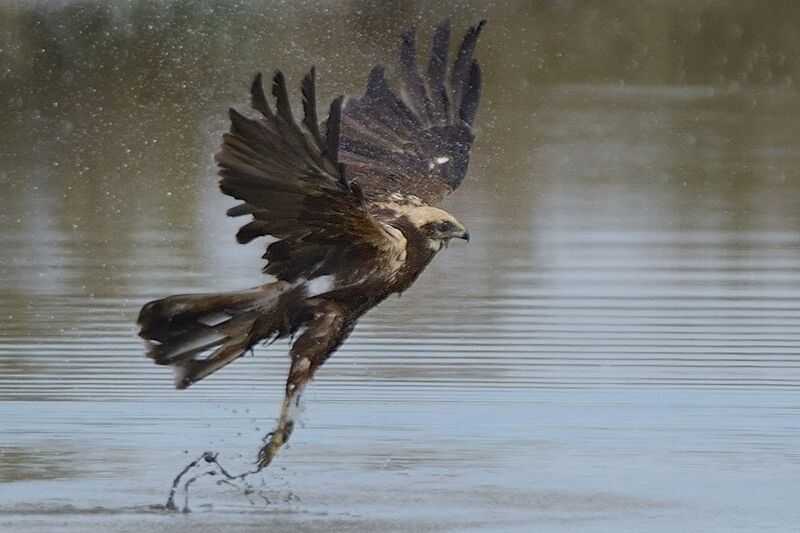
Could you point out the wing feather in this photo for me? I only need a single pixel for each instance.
(472, 94)
(437, 72)
(310, 120)
(258, 100)
(291, 183)
(460, 75)
(415, 141)
(413, 85)
(333, 131)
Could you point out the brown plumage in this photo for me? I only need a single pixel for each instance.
(348, 204)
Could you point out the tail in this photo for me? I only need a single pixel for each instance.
(197, 334)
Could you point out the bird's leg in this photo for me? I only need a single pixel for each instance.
(279, 436)
(322, 336)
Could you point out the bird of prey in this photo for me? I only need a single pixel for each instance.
(349, 204)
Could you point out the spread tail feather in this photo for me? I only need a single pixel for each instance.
(197, 334)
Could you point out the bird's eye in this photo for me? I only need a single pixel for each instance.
(444, 226)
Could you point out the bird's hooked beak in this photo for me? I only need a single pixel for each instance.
(462, 233)
(443, 232)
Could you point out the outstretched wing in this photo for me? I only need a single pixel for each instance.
(415, 143)
(292, 184)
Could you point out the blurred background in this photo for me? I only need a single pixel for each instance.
(618, 345)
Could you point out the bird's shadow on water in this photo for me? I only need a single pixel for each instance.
(208, 465)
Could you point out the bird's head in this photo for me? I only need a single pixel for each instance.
(437, 225)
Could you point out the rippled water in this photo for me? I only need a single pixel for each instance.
(617, 348)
